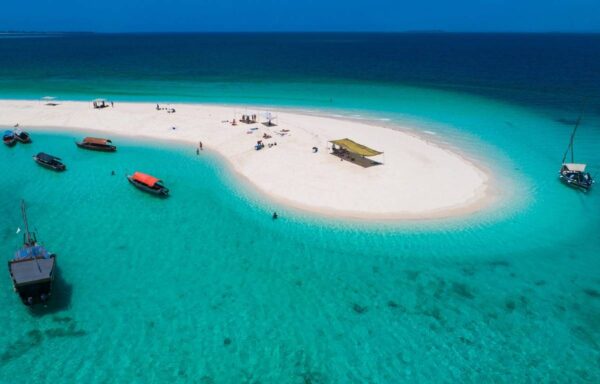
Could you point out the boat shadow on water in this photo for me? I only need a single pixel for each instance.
(58, 326)
(61, 298)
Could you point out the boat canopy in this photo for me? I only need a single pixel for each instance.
(8, 133)
(145, 179)
(95, 140)
(36, 251)
(32, 271)
(575, 167)
(46, 157)
(354, 147)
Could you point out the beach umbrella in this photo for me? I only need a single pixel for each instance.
(269, 116)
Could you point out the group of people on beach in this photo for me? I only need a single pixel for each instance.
(248, 119)
(169, 110)
(260, 145)
(97, 104)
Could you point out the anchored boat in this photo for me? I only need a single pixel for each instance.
(32, 268)
(9, 138)
(574, 174)
(97, 144)
(148, 183)
(22, 136)
(49, 161)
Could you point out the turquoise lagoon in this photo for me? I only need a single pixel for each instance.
(204, 287)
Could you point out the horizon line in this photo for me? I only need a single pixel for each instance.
(423, 31)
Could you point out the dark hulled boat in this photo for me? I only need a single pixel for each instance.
(148, 183)
(49, 161)
(32, 269)
(22, 136)
(574, 174)
(9, 138)
(97, 144)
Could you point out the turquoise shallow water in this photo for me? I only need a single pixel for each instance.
(205, 287)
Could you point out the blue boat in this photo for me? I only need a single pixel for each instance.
(9, 138)
(32, 269)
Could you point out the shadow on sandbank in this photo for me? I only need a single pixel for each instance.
(356, 159)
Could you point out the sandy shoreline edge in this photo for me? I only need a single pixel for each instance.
(417, 180)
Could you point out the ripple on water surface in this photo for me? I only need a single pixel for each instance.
(204, 286)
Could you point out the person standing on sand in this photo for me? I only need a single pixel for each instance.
(200, 145)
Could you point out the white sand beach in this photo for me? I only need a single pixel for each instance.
(417, 180)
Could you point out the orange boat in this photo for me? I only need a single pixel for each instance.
(97, 144)
(148, 183)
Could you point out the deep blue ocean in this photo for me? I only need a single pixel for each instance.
(539, 69)
(204, 287)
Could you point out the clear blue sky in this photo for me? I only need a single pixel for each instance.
(300, 15)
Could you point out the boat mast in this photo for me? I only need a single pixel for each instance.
(570, 147)
(28, 242)
(24, 214)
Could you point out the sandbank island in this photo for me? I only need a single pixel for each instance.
(415, 178)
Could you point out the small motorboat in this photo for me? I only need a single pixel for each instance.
(49, 161)
(32, 269)
(9, 138)
(97, 144)
(148, 183)
(22, 136)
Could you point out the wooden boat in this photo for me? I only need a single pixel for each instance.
(574, 174)
(22, 136)
(32, 268)
(97, 144)
(49, 161)
(9, 138)
(148, 183)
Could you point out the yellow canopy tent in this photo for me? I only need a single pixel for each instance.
(354, 147)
